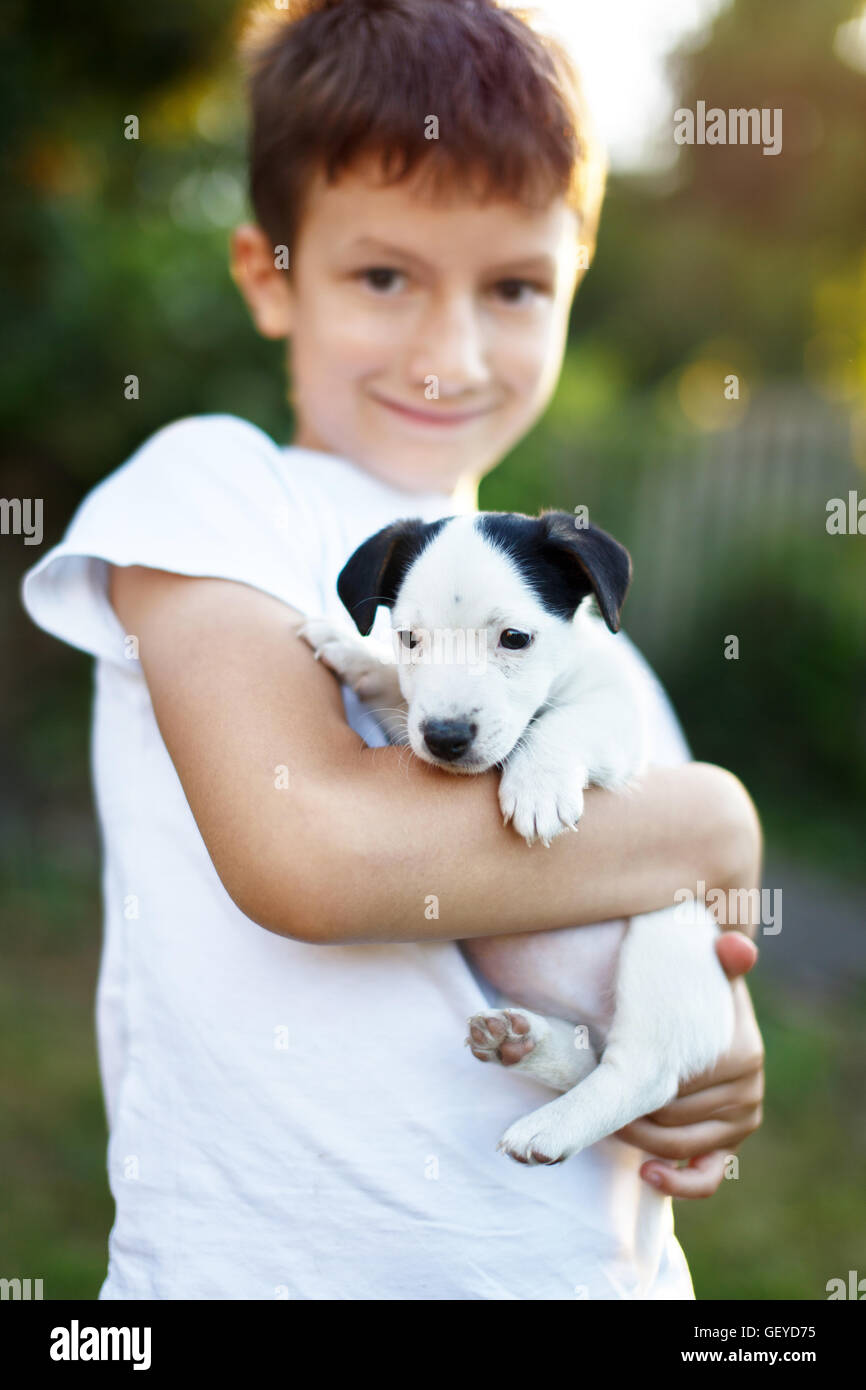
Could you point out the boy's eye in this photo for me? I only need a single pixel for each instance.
(380, 277)
(513, 640)
(512, 290)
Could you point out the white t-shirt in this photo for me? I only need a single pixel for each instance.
(289, 1120)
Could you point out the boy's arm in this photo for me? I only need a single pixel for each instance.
(356, 843)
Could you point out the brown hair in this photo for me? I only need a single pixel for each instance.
(330, 81)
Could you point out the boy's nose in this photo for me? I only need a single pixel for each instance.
(451, 345)
(448, 738)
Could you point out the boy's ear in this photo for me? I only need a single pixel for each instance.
(374, 573)
(590, 562)
(266, 289)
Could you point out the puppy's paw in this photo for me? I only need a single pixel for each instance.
(357, 665)
(505, 1035)
(541, 804)
(537, 1138)
(327, 640)
(546, 1136)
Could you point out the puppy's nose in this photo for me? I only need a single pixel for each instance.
(448, 738)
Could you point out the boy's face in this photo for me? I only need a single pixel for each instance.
(395, 304)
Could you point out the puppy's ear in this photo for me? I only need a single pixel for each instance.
(374, 573)
(590, 562)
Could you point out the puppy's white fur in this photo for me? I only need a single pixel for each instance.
(558, 716)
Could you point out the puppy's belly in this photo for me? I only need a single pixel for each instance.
(570, 973)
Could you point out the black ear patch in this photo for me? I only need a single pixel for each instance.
(375, 572)
(589, 561)
(562, 562)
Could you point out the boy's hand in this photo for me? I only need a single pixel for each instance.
(716, 1111)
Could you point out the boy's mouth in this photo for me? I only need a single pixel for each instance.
(431, 417)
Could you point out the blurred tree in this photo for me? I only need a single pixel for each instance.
(734, 243)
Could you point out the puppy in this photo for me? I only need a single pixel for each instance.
(505, 656)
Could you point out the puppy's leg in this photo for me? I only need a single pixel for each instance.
(582, 740)
(541, 798)
(548, 1049)
(674, 1018)
(358, 661)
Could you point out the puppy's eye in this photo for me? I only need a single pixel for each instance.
(408, 639)
(513, 640)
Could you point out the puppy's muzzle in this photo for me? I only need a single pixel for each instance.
(448, 739)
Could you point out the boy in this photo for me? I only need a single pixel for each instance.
(282, 996)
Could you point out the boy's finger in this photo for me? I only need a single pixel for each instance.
(700, 1179)
(736, 953)
(724, 1102)
(705, 1137)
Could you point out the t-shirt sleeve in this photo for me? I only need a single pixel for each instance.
(210, 496)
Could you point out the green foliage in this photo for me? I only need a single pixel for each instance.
(788, 715)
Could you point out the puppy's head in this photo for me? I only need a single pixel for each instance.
(482, 610)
